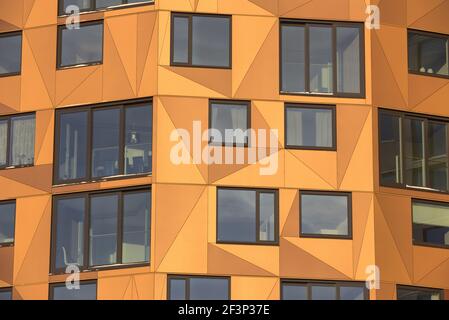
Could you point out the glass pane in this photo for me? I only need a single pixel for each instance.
(348, 59)
(73, 146)
(3, 142)
(138, 144)
(85, 292)
(103, 230)
(70, 215)
(428, 54)
(236, 215)
(437, 161)
(108, 3)
(7, 222)
(231, 120)
(83, 5)
(294, 292)
(431, 223)
(321, 74)
(267, 214)
(390, 149)
(415, 172)
(5, 294)
(82, 46)
(417, 294)
(10, 54)
(293, 59)
(136, 227)
(324, 215)
(177, 289)
(324, 292)
(106, 139)
(181, 40)
(352, 293)
(210, 41)
(310, 127)
(209, 289)
(22, 136)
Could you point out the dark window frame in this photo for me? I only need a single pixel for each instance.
(60, 30)
(333, 25)
(423, 289)
(430, 35)
(54, 285)
(122, 106)
(348, 196)
(402, 168)
(7, 290)
(430, 202)
(190, 37)
(187, 278)
(87, 195)
(93, 7)
(336, 284)
(258, 242)
(332, 108)
(8, 118)
(12, 34)
(248, 106)
(10, 244)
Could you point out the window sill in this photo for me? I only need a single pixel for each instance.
(332, 149)
(325, 237)
(430, 245)
(7, 245)
(321, 95)
(76, 66)
(117, 7)
(262, 244)
(199, 66)
(16, 167)
(11, 74)
(425, 74)
(412, 188)
(60, 184)
(105, 268)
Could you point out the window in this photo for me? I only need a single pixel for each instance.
(428, 53)
(17, 141)
(7, 222)
(321, 290)
(99, 142)
(101, 229)
(198, 288)
(229, 122)
(247, 216)
(322, 58)
(201, 40)
(415, 293)
(87, 291)
(430, 223)
(92, 5)
(310, 127)
(80, 47)
(10, 53)
(5, 294)
(413, 151)
(326, 215)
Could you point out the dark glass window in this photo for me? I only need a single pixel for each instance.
(10, 53)
(430, 223)
(428, 53)
(322, 58)
(198, 288)
(231, 118)
(326, 214)
(5, 294)
(101, 229)
(120, 138)
(7, 222)
(80, 47)
(92, 5)
(310, 127)
(247, 216)
(302, 290)
(17, 134)
(201, 40)
(413, 151)
(415, 293)
(87, 291)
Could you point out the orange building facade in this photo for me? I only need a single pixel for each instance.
(137, 66)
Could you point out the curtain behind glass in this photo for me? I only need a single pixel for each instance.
(229, 117)
(294, 127)
(22, 134)
(323, 127)
(3, 142)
